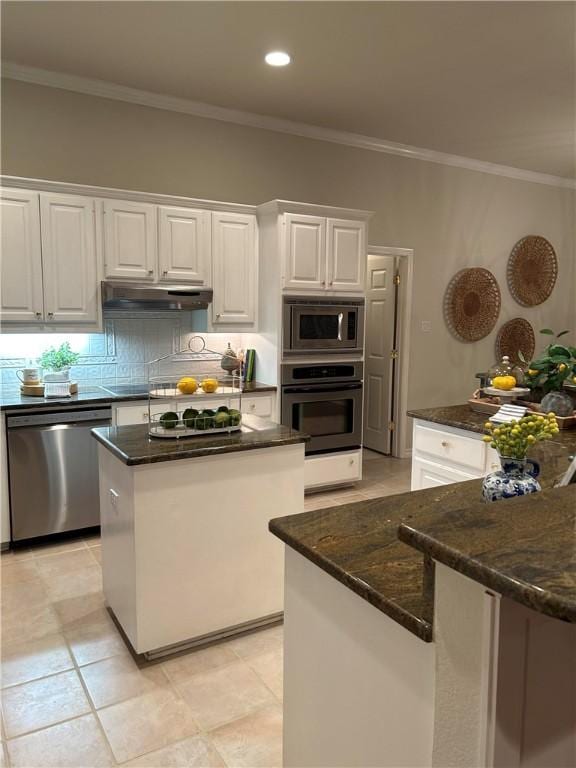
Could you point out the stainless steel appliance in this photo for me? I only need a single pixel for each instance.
(321, 325)
(325, 401)
(53, 471)
(138, 297)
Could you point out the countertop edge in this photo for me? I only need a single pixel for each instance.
(520, 591)
(194, 453)
(104, 398)
(419, 627)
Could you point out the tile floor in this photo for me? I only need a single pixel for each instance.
(72, 695)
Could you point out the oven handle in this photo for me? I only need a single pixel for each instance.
(320, 388)
(340, 318)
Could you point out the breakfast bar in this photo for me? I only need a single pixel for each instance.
(186, 553)
(436, 629)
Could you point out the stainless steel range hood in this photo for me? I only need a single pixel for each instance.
(135, 297)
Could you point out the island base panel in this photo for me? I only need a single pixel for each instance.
(358, 687)
(505, 680)
(186, 551)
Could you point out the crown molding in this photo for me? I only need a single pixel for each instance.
(117, 92)
(89, 190)
(276, 207)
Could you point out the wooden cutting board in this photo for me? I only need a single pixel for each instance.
(37, 390)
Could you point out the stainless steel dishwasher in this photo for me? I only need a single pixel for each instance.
(53, 471)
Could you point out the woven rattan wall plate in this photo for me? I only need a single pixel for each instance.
(515, 336)
(532, 270)
(472, 304)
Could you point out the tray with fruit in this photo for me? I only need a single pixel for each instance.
(194, 423)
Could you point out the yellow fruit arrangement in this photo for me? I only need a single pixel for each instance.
(209, 385)
(187, 385)
(513, 440)
(505, 383)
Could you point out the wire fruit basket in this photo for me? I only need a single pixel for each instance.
(205, 400)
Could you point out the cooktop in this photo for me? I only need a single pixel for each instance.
(127, 389)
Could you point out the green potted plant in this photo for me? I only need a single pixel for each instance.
(548, 374)
(57, 361)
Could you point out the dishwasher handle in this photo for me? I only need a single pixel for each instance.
(58, 418)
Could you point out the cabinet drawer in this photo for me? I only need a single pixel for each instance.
(427, 474)
(258, 406)
(138, 414)
(333, 469)
(449, 447)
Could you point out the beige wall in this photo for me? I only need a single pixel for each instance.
(452, 218)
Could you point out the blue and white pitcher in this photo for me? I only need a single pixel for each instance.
(516, 478)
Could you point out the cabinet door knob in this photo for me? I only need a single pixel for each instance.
(217, 315)
(323, 282)
(145, 416)
(50, 314)
(38, 315)
(351, 462)
(150, 271)
(165, 272)
(444, 444)
(331, 282)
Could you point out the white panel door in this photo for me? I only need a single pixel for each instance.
(304, 252)
(21, 258)
(346, 255)
(234, 265)
(379, 345)
(130, 241)
(71, 286)
(184, 245)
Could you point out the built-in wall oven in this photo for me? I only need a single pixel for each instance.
(322, 325)
(324, 400)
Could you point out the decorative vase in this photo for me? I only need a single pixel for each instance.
(230, 361)
(559, 403)
(516, 478)
(62, 375)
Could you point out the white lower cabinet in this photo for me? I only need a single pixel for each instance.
(443, 455)
(332, 469)
(137, 412)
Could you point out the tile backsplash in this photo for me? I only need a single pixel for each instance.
(120, 354)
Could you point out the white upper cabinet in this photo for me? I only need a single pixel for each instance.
(234, 268)
(323, 254)
(184, 245)
(304, 252)
(130, 243)
(69, 256)
(21, 258)
(346, 255)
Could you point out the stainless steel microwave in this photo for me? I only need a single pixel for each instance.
(321, 325)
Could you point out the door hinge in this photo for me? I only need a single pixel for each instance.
(391, 426)
(394, 354)
(397, 278)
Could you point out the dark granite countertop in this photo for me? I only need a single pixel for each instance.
(133, 446)
(463, 417)
(93, 395)
(523, 548)
(358, 543)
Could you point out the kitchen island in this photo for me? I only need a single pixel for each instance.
(186, 554)
(432, 629)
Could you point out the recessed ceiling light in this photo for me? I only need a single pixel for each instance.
(277, 59)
